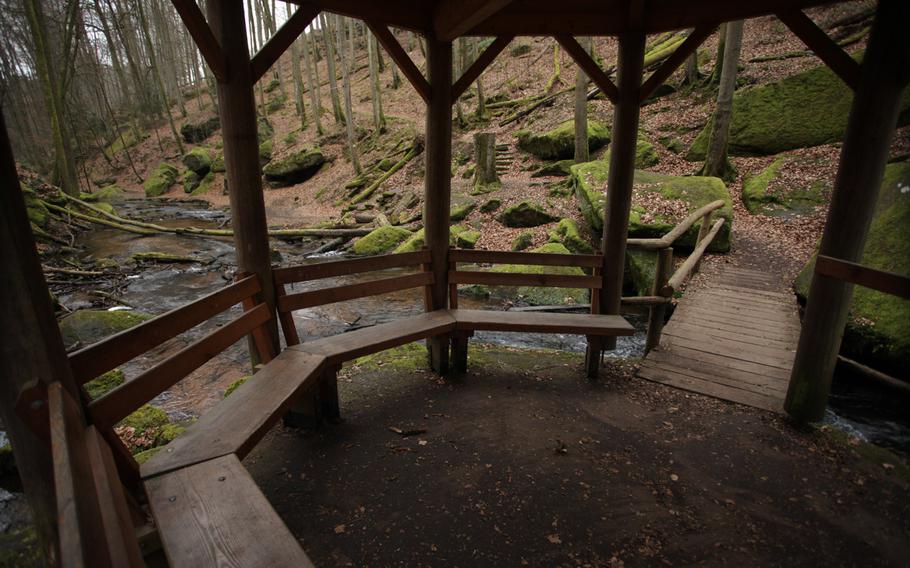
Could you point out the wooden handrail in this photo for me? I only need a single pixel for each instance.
(301, 300)
(684, 271)
(531, 258)
(880, 280)
(509, 279)
(679, 230)
(105, 355)
(318, 271)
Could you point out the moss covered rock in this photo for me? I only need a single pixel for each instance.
(645, 154)
(568, 233)
(459, 235)
(298, 167)
(102, 385)
(522, 241)
(538, 296)
(218, 164)
(806, 109)
(590, 181)
(558, 168)
(265, 152)
(160, 180)
(641, 266)
(190, 181)
(37, 212)
(460, 212)
(89, 326)
(762, 193)
(559, 143)
(205, 184)
(490, 205)
(525, 214)
(198, 160)
(878, 331)
(146, 418)
(465, 238)
(380, 240)
(107, 194)
(196, 132)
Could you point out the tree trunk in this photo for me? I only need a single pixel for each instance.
(143, 22)
(312, 79)
(330, 68)
(714, 78)
(717, 164)
(481, 111)
(692, 77)
(485, 159)
(373, 52)
(348, 108)
(298, 82)
(582, 153)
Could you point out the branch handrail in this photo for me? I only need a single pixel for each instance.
(679, 230)
(685, 270)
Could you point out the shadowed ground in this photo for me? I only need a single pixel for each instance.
(525, 462)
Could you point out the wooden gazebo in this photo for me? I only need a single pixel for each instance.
(88, 496)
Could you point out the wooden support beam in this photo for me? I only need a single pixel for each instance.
(282, 40)
(873, 117)
(827, 50)
(622, 172)
(400, 56)
(589, 66)
(413, 15)
(438, 186)
(478, 67)
(237, 109)
(453, 18)
(879, 280)
(677, 58)
(203, 37)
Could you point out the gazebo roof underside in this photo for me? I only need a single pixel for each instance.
(449, 19)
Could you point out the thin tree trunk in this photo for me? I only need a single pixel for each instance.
(717, 164)
(312, 78)
(143, 22)
(298, 82)
(372, 52)
(330, 64)
(348, 109)
(714, 78)
(481, 111)
(582, 153)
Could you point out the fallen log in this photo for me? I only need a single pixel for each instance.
(367, 192)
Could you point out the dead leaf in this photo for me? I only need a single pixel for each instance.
(339, 529)
(554, 539)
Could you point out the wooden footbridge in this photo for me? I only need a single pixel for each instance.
(734, 339)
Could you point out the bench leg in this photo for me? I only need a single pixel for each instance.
(438, 348)
(317, 404)
(592, 357)
(460, 351)
(329, 408)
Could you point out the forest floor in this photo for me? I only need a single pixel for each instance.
(523, 462)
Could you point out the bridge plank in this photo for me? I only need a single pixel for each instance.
(583, 324)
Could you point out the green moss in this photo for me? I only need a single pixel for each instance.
(380, 240)
(490, 205)
(264, 129)
(160, 180)
(265, 152)
(106, 194)
(755, 188)
(460, 212)
(520, 49)
(218, 163)
(645, 154)
(525, 214)
(98, 387)
(522, 240)
(759, 198)
(163, 258)
(205, 185)
(590, 181)
(466, 239)
(146, 455)
(190, 181)
(558, 168)
(547, 296)
(559, 143)
(386, 164)
(569, 234)
(640, 269)
(235, 385)
(878, 331)
(20, 548)
(484, 188)
(806, 109)
(459, 235)
(411, 357)
(295, 168)
(673, 144)
(89, 326)
(194, 133)
(146, 418)
(37, 212)
(198, 160)
(290, 138)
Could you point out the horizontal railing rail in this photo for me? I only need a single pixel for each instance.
(347, 267)
(868, 277)
(531, 258)
(703, 213)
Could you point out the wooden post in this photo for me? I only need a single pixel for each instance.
(873, 116)
(658, 313)
(702, 233)
(438, 184)
(237, 109)
(31, 350)
(485, 159)
(622, 172)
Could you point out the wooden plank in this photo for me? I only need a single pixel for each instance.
(880, 280)
(479, 65)
(368, 340)
(238, 422)
(771, 388)
(203, 37)
(742, 365)
(115, 520)
(282, 40)
(708, 318)
(719, 297)
(685, 329)
(581, 324)
(677, 58)
(509, 279)
(288, 327)
(214, 514)
(590, 67)
(724, 294)
(744, 314)
(531, 258)
(724, 372)
(730, 350)
(784, 296)
(301, 300)
(737, 328)
(827, 49)
(731, 345)
(714, 390)
(120, 402)
(400, 56)
(335, 268)
(105, 355)
(453, 18)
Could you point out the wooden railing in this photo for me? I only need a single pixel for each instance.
(880, 280)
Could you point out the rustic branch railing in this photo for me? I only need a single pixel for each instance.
(704, 213)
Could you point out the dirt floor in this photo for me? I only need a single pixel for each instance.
(523, 462)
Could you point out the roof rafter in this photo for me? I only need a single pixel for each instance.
(589, 66)
(827, 50)
(401, 57)
(283, 38)
(691, 43)
(453, 18)
(478, 67)
(202, 35)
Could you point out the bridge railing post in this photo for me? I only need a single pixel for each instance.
(702, 233)
(658, 312)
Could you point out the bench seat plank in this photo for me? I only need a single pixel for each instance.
(213, 514)
(582, 324)
(347, 346)
(238, 422)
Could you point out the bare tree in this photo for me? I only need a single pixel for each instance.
(717, 163)
(582, 153)
(348, 113)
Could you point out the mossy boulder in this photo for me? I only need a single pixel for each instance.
(560, 168)
(641, 267)
(380, 240)
(107, 194)
(673, 144)
(590, 181)
(806, 109)
(37, 212)
(100, 386)
(146, 418)
(645, 154)
(89, 326)
(198, 160)
(490, 205)
(264, 129)
(160, 180)
(559, 143)
(459, 235)
(763, 193)
(296, 168)
(465, 238)
(205, 184)
(460, 212)
(190, 181)
(523, 240)
(218, 164)
(539, 296)
(525, 214)
(878, 330)
(265, 152)
(568, 233)
(196, 132)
